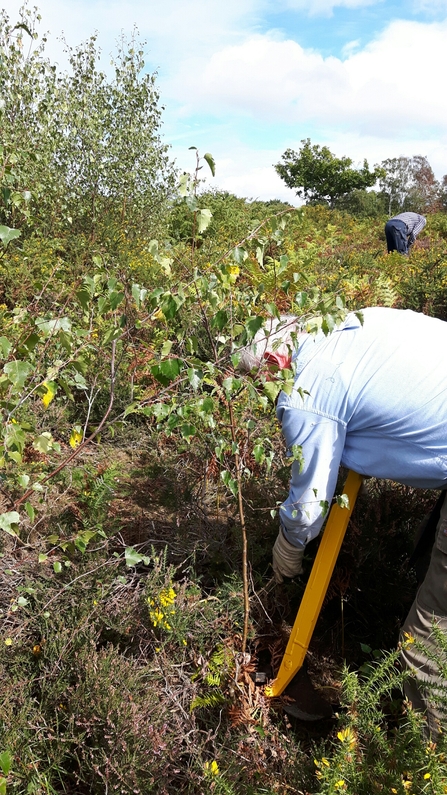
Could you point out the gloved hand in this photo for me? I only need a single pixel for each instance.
(287, 559)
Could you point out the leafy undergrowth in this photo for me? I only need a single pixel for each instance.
(120, 663)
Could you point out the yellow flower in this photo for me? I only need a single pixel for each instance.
(347, 736)
(409, 638)
(340, 784)
(427, 775)
(212, 767)
(8, 642)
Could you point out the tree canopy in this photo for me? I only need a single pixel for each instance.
(319, 176)
(79, 148)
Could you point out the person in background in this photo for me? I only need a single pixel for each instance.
(401, 231)
(371, 396)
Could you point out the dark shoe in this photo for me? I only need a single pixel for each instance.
(303, 701)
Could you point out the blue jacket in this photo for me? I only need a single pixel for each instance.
(372, 397)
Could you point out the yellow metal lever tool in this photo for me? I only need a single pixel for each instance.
(316, 587)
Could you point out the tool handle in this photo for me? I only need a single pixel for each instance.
(316, 587)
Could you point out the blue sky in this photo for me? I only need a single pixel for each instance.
(247, 79)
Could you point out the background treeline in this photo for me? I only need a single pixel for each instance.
(140, 474)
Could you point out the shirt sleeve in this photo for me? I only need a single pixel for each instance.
(417, 227)
(314, 474)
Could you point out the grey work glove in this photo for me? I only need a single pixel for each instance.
(287, 559)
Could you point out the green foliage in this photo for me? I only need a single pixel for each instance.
(364, 758)
(121, 594)
(80, 152)
(319, 176)
(363, 203)
(408, 183)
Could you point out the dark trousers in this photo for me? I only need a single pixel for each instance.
(396, 236)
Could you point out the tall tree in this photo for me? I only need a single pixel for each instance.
(88, 147)
(318, 176)
(408, 183)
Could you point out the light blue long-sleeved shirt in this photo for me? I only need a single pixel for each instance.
(376, 403)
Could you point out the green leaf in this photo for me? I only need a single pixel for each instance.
(301, 299)
(231, 384)
(343, 501)
(7, 234)
(259, 453)
(14, 440)
(57, 567)
(211, 162)
(166, 348)
(239, 255)
(6, 762)
(31, 342)
(42, 557)
(83, 539)
(166, 371)
(252, 326)
(203, 218)
(169, 307)
(195, 377)
(83, 297)
(133, 557)
(23, 481)
(30, 511)
(50, 327)
(230, 482)
(139, 294)
(22, 602)
(113, 333)
(18, 372)
(5, 347)
(272, 389)
(183, 187)
(324, 505)
(9, 521)
(43, 443)
(116, 299)
(188, 431)
(191, 203)
(220, 319)
(14, 455)
(207, 405)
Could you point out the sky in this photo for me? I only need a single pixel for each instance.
(247, 79)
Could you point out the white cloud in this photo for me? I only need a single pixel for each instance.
(430, 6)
(244, 171)
(174, 29)
(326, 7)
(395, 82)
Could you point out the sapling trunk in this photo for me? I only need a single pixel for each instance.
(243, 530)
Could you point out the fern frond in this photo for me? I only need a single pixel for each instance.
(210, 700)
